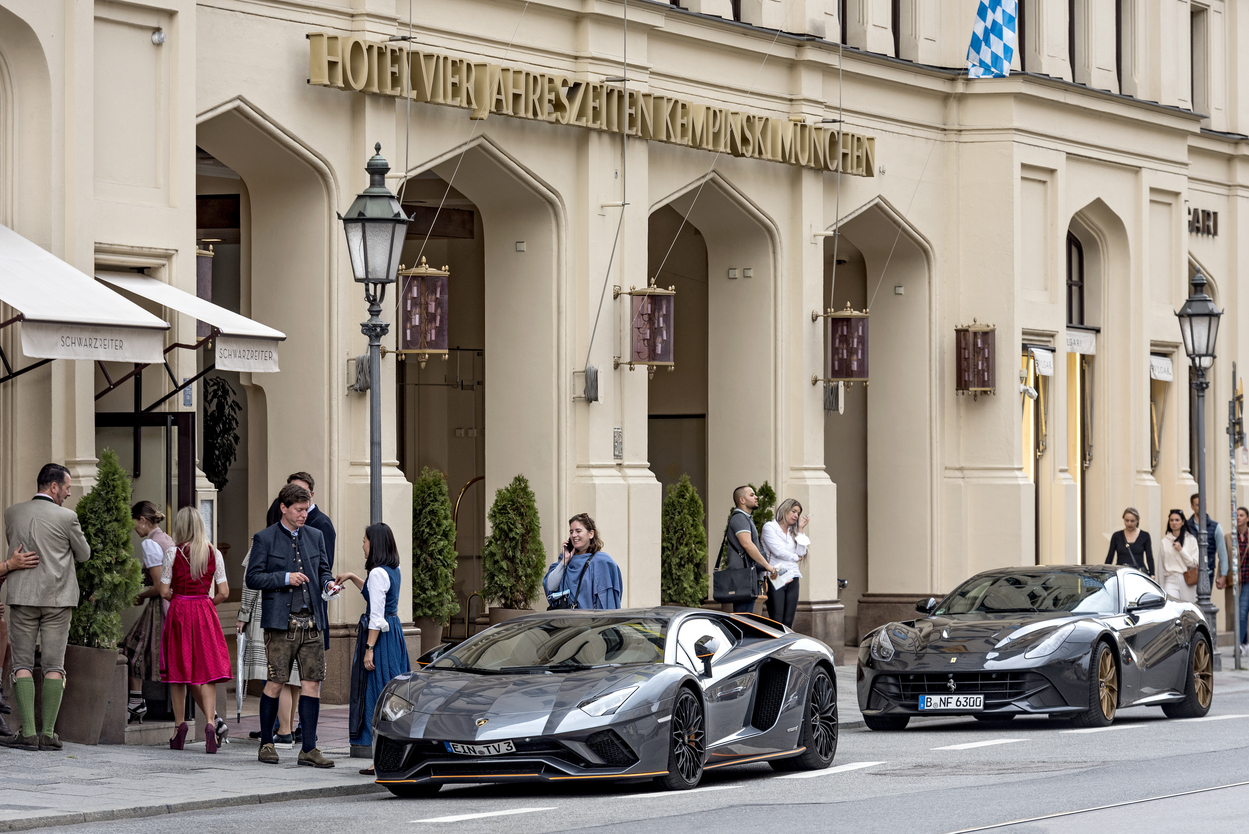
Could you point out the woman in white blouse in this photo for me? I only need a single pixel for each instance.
(785, 544)
(142, 644)
(1176, 554)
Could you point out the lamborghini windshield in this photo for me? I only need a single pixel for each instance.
(1037, 591)
(559, 645)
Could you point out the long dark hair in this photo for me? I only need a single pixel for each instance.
(1183, 525)
(383, 552)
(596, 543)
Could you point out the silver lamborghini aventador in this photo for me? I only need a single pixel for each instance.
(658, 693)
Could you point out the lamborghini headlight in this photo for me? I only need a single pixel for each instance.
(1050, 644)
(395, 707)
(882, 646)
(607, 704)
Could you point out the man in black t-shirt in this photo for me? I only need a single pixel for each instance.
(742, 525)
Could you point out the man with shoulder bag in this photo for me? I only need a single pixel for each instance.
(737, 576)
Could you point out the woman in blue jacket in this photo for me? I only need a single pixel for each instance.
(583, 576)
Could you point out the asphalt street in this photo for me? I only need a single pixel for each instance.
(1145, 773)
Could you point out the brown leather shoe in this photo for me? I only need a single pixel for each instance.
(17, 741)
(313, 758)
(268, 754)
(52, 742)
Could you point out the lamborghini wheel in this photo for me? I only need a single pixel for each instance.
(687, 747)
(1198, 682)
(819, 727)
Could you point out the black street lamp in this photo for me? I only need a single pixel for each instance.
(1199, 327)
(376, 227)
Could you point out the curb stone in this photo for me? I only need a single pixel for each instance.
(142, 811)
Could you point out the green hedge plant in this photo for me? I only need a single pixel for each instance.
(514, 558)
(683, 549)
(433, 549)
(109, 581)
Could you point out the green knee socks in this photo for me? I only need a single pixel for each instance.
(53, 689)
(24, 694)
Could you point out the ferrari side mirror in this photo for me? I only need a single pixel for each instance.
(926, 606)
(705, 649)
(1147, 602)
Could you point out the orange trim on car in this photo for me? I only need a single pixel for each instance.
(611, 776)
(755, 758)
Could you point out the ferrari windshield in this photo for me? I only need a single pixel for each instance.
(560, 645)
(1034, 591)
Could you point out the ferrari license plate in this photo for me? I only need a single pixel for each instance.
(497, 748)
(950, 702)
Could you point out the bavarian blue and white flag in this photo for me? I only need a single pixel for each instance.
(993, 39)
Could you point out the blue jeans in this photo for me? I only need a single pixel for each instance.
(1244, 609)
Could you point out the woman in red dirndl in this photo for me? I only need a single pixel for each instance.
(193, 648)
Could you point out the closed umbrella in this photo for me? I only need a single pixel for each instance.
(240, 681)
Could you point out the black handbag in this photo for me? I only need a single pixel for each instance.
(733, 580)
(567, 601)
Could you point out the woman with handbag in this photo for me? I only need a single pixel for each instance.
(1131, 546)
(1178, 556)
(785, 542)
(583, 576)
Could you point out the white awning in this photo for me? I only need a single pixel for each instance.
(66, 315)
(1044, 360)
(1160, 368)
(243, 344)
(1082, 341)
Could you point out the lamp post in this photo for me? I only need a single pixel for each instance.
(1199, 327)
(375, 226)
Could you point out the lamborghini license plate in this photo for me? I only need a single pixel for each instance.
(497, 748)
(950, 702)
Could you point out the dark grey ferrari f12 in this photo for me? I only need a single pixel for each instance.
(1072, 641)
(659, 693)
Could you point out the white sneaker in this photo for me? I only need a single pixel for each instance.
(283, 742)
(1244, 649)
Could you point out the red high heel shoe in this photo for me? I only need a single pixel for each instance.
(210, 740)
(179, 737)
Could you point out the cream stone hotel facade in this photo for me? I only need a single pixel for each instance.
(768, 161)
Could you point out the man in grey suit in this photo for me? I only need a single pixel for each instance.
(42, 598)
(290, 567)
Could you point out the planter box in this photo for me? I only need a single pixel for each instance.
(431, 633)
(502, 615)
(90, 675)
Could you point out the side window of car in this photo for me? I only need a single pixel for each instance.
(1135, 586)
(691, 632)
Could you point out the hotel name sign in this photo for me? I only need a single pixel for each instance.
(392, 69)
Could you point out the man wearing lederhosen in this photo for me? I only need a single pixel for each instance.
(290, 567)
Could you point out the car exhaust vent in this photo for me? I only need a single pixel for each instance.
(611, 748)
(770, 693)
(390, 755)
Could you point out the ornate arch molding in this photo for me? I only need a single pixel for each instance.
(899, 221)
(737, 197)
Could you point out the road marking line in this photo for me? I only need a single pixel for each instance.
(682, 793)
(975, 744)
(462, 817)
(1213, 718)
(1107, 729)
(826, 771)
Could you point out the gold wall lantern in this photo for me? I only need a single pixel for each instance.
(975, 364)
(423, 326)
(203, 284)
(845, 346)
(651, 322)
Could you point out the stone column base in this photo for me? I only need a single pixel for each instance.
(877, 609)
(825, 620)
(336, 688)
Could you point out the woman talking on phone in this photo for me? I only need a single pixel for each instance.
(583, 575)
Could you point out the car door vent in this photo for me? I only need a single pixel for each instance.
(611, 749)
(770, 693)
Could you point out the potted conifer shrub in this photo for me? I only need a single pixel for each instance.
(108, 583)
(433, 557)
(513, 559)
(683, 548)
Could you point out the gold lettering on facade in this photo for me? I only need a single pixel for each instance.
(350, 62)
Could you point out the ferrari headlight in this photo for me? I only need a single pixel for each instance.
(882, 646)
(395, 707)
(1050, 644)
(607, 704)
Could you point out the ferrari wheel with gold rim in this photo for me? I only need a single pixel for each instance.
(1103, 688)
(1198, 682)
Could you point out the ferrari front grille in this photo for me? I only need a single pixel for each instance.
(610, 747)
(998, 688)
(770, 694)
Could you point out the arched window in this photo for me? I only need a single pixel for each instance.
(1075, 280)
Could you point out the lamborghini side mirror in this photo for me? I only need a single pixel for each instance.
(926, 606)
(705, 649)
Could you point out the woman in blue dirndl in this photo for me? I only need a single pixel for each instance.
(381, 652)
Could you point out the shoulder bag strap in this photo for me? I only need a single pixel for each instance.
(584, 569)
